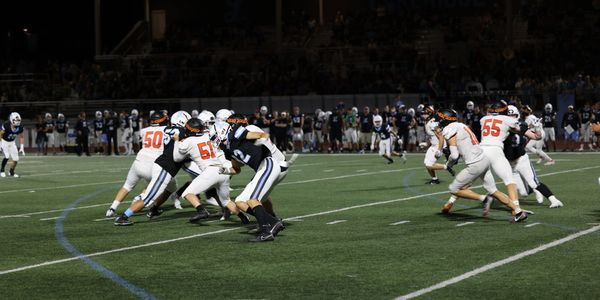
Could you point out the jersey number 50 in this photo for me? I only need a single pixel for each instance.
(494, 130)
(153, 139)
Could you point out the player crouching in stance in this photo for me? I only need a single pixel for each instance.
(462, 141)
(9, 132)
(384, 134)
(152, 148)
(249, 145)
(433, 153)
(514, 150)
(164, 170)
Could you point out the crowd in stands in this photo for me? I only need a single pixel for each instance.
(368, 53)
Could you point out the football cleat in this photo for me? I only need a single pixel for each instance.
(203, 214)
(154, 212)
(2, 174)
(487, 205)
(550, 163)
(122, 221)
(451, 171)
(226, 214)
(520, 217)
(277, 227)
(390, 161)
(447, 207)
(403, 157)
(556, 204)
(434, 181)
(110, 213)
(265, 235)
(14, 175)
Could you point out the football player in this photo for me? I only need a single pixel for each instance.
(62, 128)
(432, 154)
(549, 120)
(127, 133)
(249, 145)
(366, 127)
(351, 129)
(99, 136)
(495, 129)
(321, 120)
(384, 134)
(571, 124)
(164, 170)
(198, 147)
(536, 146)
(421, 120)
(49, 129)
(141, 168)
(9, 132)
(514, 150)
(462, 142)
(585, 115)
(136, 124)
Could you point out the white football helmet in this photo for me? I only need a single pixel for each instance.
(222, 129)
(377, 121)
(98, 114)
(61, 116)
(264, 110)
(15, 119)
(318, 112)
(470, 105)
(180, 118)
(513, 111)
(195, 113)
(223, 114)
(420, 108)
(411, 112)
(208, 118)
(48, 116)
(548, 107)
(321, 116)
(135, 112)
(355, 110)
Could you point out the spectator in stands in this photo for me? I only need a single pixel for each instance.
(40, 137)
(365, 119)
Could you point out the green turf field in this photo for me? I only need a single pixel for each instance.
(356, 228)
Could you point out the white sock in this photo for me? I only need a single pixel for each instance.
(434, 178)
(115, 204)
(515, 202)
(452, 199)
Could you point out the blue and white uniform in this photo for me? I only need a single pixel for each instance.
(8, 145)
(383, 133)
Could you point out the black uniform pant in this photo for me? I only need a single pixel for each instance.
(112, 140)
(82, 144)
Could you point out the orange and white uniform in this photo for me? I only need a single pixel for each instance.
(494, 130)
(152, 147)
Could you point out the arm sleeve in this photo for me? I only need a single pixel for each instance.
(448, 132)
(240, 133)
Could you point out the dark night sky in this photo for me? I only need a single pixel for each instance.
(62, 29)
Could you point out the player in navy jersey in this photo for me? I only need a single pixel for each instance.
(49, 126)
(571, 124)
(365, 120)
(136, 126)
(164, 170)
(9, 132)
(514, 150)
(596, 121)
(476, 125)
(469, 114)
(383, 133)
(585, 115)
(62, 129)
(111, 128)
(82, 129)
(99, 135)
(402, 122)
(249, 145)
(320, 122)
(549, 120)
(335, 126)
(297, 120)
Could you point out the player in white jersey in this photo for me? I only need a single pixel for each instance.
(152, 147)
(495, 128)
(536, 146)
(432, 154)
(463, 142)
(198, 147)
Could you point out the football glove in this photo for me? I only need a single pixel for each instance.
(22, 149)
(224, 171)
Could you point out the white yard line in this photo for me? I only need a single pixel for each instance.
(47, 219)
(533, 224)
(499, 263)
(26, 215)
(361, 170)
(53, 262)
(328, 170)
(61, 187)
(336, 222)
(399, 223)
(464, 224)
